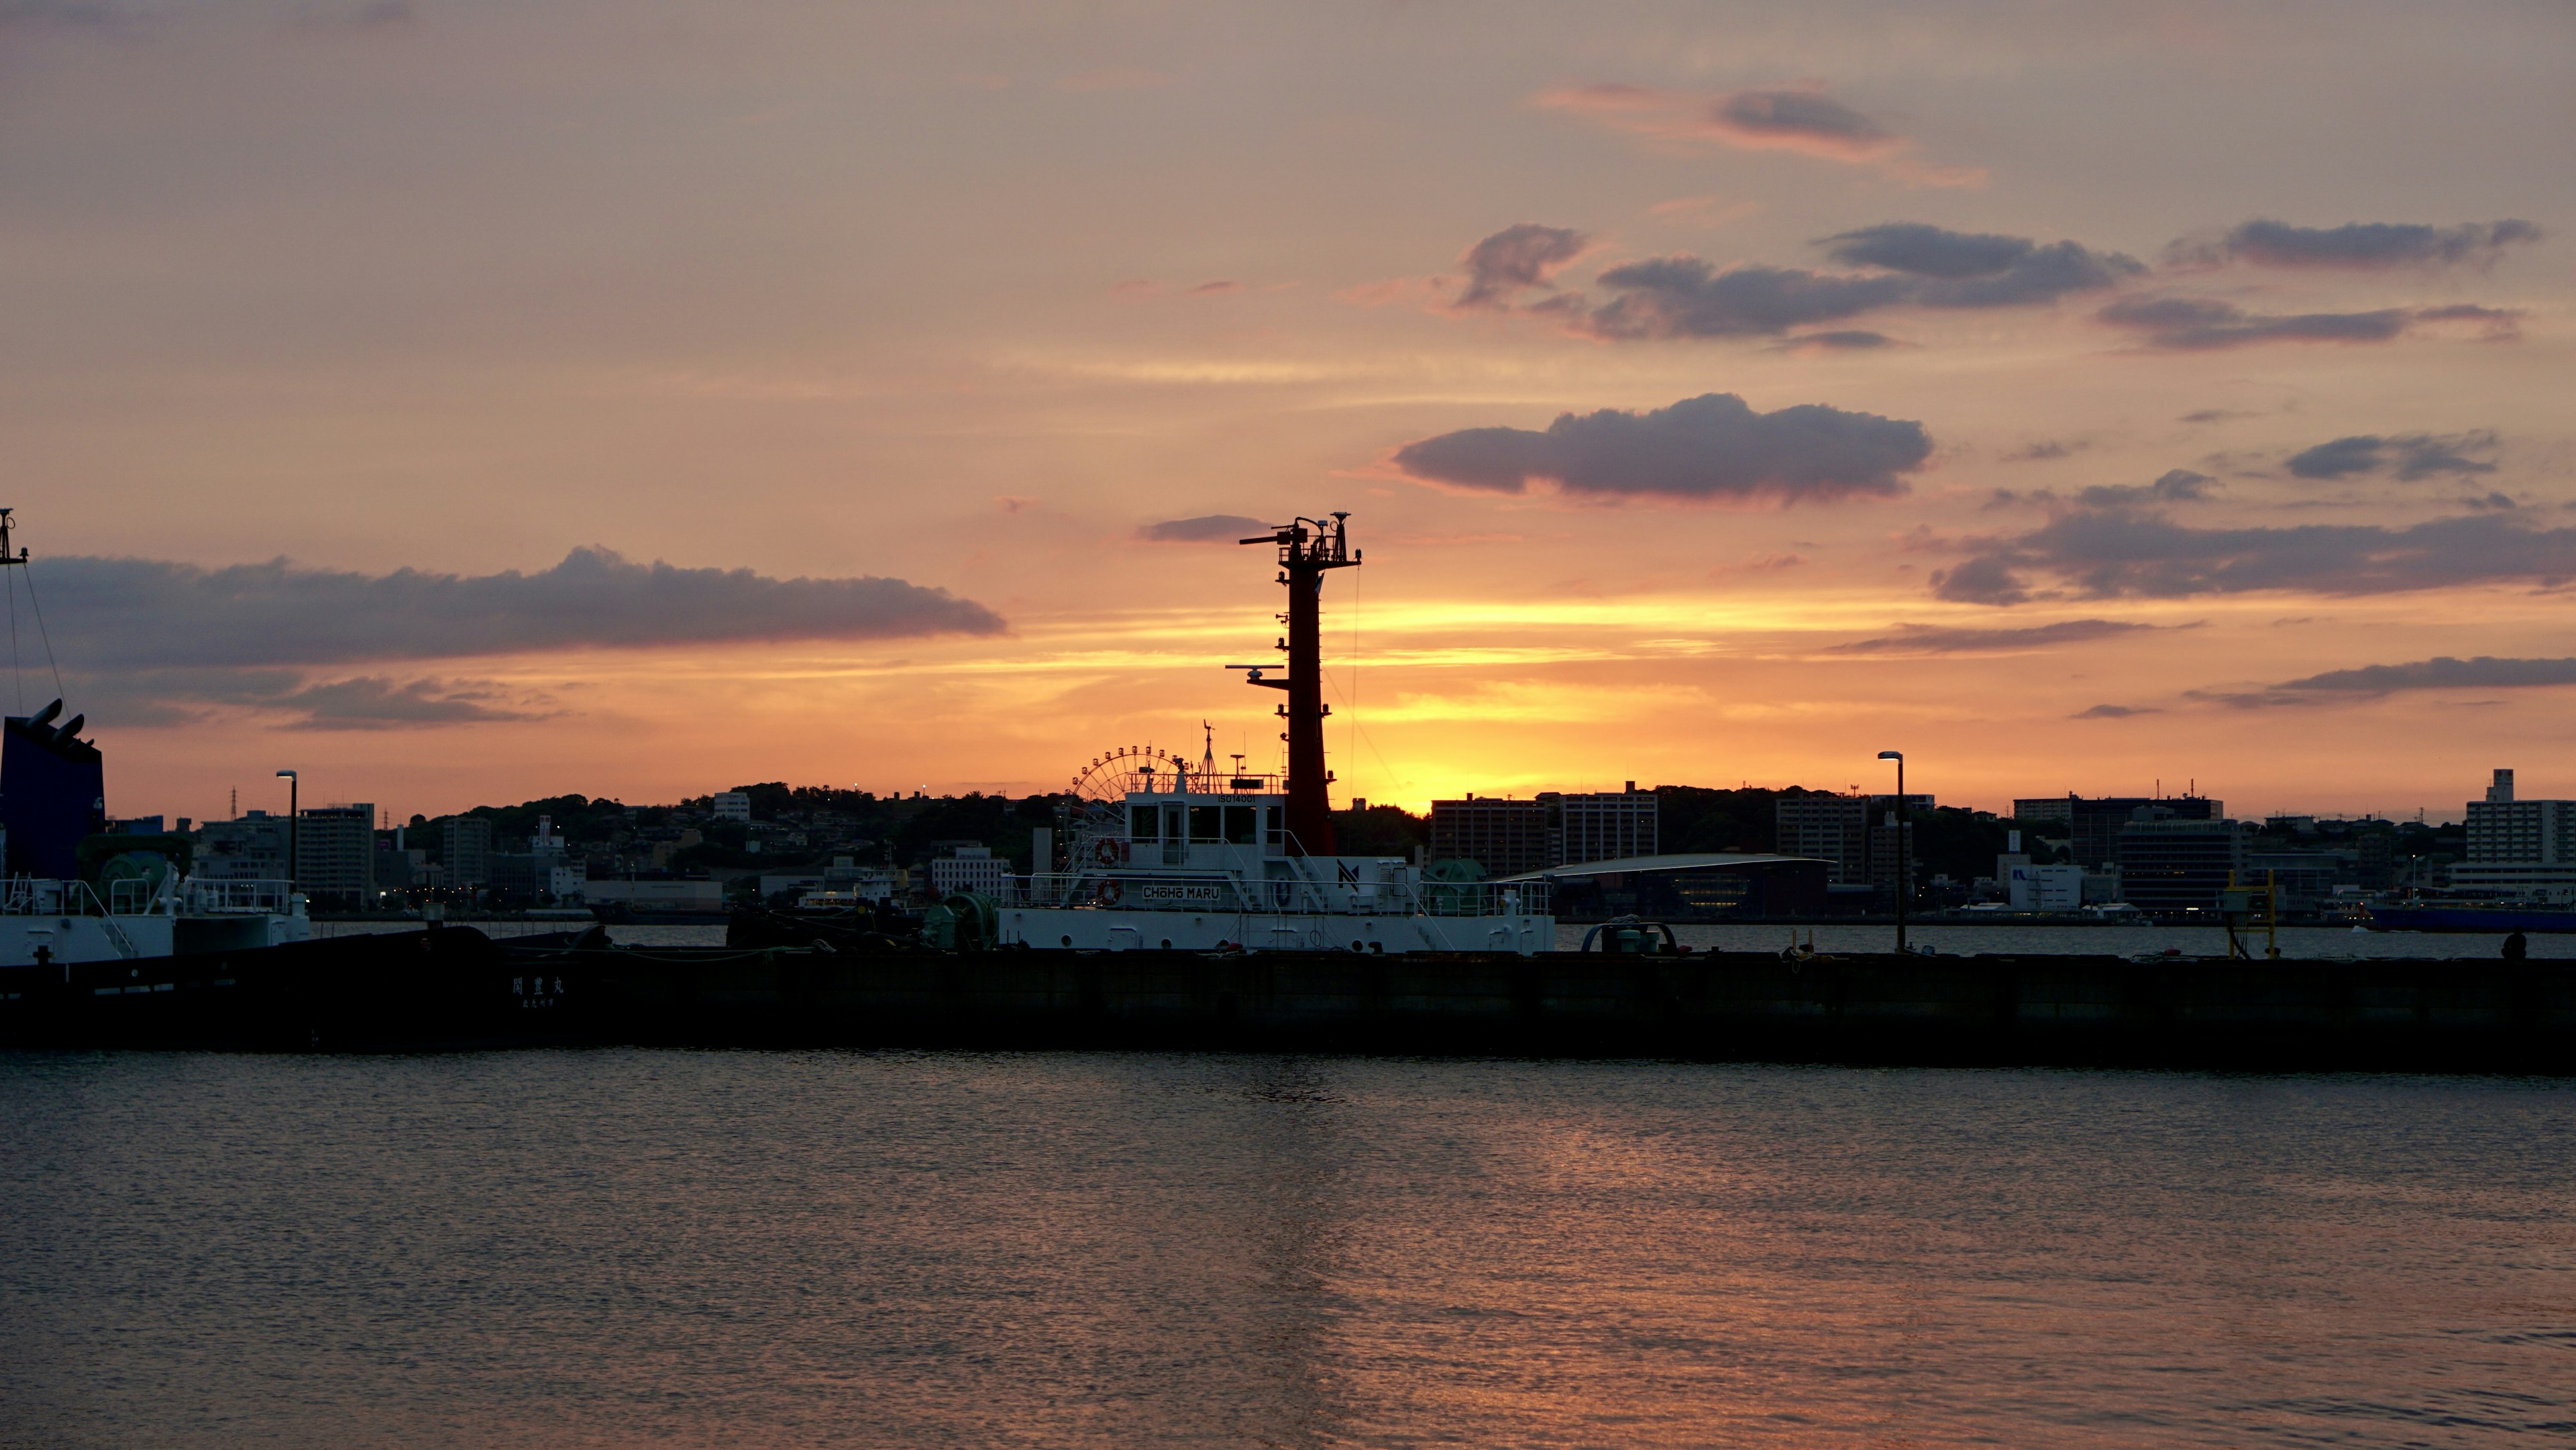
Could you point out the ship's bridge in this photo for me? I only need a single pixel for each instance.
(1203, 829)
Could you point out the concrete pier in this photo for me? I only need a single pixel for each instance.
(453, 989)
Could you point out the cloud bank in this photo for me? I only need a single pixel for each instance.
(156, 641)
(1712, 448)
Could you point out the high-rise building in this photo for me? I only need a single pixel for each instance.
(1506, 837)
(1603, 826)
(335, 851)
(2519, 849)
(2179, 864)
(1833, 829)
(466, 850)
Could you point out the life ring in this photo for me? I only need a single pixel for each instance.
(1109, 893)
(1109, 851)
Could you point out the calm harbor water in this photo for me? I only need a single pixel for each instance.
(727, 1248)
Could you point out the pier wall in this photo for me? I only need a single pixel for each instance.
(454, 989)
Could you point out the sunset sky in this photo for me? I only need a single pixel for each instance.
(465, 402)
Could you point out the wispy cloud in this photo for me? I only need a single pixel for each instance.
(2114, 712)
(2206, 324)
(1929, 639)
(1799, 119)
(1206, 529)
(2370, 682)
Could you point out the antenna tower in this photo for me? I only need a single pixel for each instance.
(1307, 549)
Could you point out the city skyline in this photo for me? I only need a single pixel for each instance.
(652, 401)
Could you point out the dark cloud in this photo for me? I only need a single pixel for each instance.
(2368, 246)
(1511, 261)
(2442, 672)
(1797, 115)
(1683, 296)
(1771, 119)
(2178, 485)
(2202, 324)
(2114, 712)
(1711, 447)
(2122, 553)
(1926, 251)
(2409, 456)
(1207, 529)
(62, 14)
(1921, 266)
(1980, 269)
(1927, 639)
(2213, 415)
(143, 613)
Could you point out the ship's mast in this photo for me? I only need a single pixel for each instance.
(1307, 548)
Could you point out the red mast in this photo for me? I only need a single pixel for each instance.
(1307, 547)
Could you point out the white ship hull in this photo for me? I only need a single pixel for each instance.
(70, 923)
(1110, 929)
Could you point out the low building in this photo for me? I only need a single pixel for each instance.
(656, 893)
(1714, 886)
(252, 848)
(971, 868)
(732, 805)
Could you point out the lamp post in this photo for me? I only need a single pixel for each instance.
(293, 811)
(1903, 855)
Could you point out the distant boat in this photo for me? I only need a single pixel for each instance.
(2471, 917)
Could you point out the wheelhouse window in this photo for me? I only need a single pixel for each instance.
(1206, 824)
(1243, 825)
(1144, 823)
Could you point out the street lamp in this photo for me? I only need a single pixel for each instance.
(1903, 856)
(293, 787)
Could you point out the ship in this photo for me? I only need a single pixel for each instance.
(2467, 916)
(1165, 856)
(73, 893)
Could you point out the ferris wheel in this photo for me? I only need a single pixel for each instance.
(1110, 776)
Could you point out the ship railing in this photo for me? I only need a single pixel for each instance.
(245, 897)
(1486, 898)
(1286, 896)
(30, 896)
